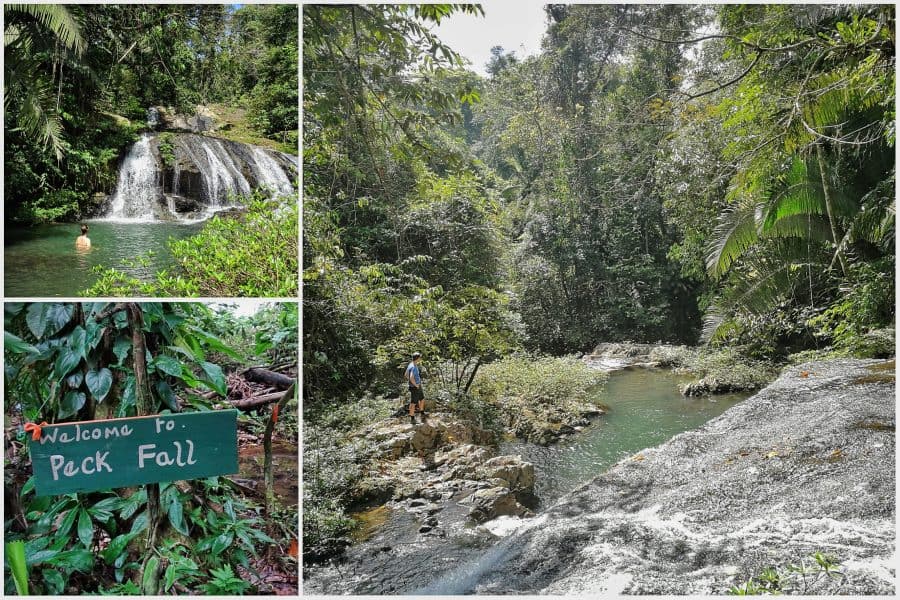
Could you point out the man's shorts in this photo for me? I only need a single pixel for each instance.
(416, 394)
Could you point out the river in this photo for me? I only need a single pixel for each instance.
(645, 409)
(42, 261)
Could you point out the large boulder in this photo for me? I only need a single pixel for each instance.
(515, 473)
(489, 503)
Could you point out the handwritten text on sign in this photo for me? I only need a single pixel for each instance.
(96, 455)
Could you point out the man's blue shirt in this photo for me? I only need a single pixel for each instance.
(414, 369)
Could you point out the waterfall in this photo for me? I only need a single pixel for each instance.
(270, 174)
(224, 176)
(137, 189)
(199, 176)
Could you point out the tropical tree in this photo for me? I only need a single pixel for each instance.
(33, 32)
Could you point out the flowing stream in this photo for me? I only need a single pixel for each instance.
(645, 409)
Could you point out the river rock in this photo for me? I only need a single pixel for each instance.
(515, 473)
(490, 503)
(806, 465)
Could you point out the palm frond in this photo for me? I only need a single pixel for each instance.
(736, 231)
(54, 17)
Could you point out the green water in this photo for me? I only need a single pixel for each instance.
(645, 409)
(42, 261)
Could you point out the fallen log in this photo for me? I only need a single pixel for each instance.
(256, 401)
(260, 375)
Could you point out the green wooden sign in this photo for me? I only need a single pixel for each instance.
(97, 455)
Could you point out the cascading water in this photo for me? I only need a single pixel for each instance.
(195, 177)
(137, 190)
(270, 173)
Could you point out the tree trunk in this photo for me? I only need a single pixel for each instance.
(829, 208)
(277, 380)
(472, 376)
(144, 405)
(256, 401)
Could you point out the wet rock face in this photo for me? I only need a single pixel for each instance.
(806, 465)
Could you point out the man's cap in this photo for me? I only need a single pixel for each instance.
(416, 355)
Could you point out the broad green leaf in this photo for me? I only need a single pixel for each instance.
(74, 380)
(71, 403)
(216, 377)
(165, 393)
(129, 397)
(121, 349)
(74, 560)
(85, 528)
(66, 525)
(99, 383)
(176, 516)
(15, 556)
(221, 543)
(46, 318)
(66, 360)
(148, 582)
(40, 556)
(54, 581)
(17, 345)
(77, 341)
(168, 365)
(117, 546)
(140, 522)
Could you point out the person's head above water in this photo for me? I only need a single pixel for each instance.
(84, 229)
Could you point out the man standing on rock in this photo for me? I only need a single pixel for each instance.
(416, 395)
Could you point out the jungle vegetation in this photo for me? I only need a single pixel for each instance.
(223, 535)
(689, 174)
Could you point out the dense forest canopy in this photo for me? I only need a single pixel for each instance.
(653, 170)
(79, 80)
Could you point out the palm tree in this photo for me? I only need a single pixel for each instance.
(32, 32)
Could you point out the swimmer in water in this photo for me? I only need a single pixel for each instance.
(83, 242)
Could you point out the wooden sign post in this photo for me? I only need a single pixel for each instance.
(112, 453)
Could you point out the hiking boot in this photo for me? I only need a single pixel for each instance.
(423, 417)
(412, 420)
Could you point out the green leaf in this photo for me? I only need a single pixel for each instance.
(74, 380)
(216, 377)
(176, 516)
(46, 318)
(54, 581)
(121, 348)
(85, 528)
(66, 360)
(168, 365)
(66, 524)
(74, 560)
(99, 383)
(15, 556)
(71, 403)
(221, 543)
(117, 546)
(165, 393)
(129, 397)
(77, 341)
(149, 579)
(17, 345)
(140, 523)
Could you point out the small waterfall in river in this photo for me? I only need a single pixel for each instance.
(270, 173)
(188, 177)
(137, 189)
(223, 175)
